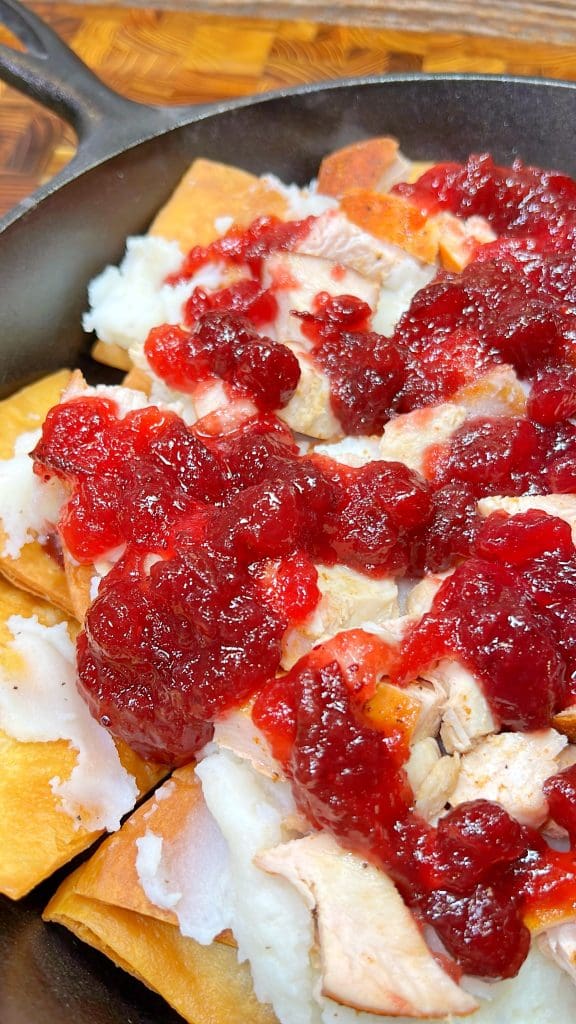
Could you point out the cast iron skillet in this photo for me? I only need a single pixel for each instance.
(129, 160)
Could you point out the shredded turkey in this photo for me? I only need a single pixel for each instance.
(466, 714)
(296, 279)
(373, 956)
(408, 437)
(432, 777)
(511, 769)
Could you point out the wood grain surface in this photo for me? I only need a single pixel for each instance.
(189, 56)
(552, 20)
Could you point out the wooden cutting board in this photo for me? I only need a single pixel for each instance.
(189, 56)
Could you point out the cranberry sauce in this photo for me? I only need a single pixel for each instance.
(508, 614)
(245, 247)
(473, 876)
(514, 303)
(517, 200)
(225, 345)
(457, 329)
(223, 338)
(219, 538)
(506, 455)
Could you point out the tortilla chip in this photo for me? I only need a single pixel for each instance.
(79, 582)
(361, 165)
(36, 836)
(110, 876)
(26, 409)
(138, 380)
(34, 569)
(205, 984)
(393, 219)
(36, 572)
(110, 354)
(211, 190)
(104, 904)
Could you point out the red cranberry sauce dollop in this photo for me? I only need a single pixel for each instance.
(219, 539)
(223, 338)
(225, 345)
(515, 303)
(245, 247)
(508, 613)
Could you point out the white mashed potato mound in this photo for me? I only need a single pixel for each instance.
(29, 507)
(302, 202)
(127, 301)
(274, 929)
(406, 278)
(271, 924)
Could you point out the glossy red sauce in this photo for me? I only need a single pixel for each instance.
(514, 303)
(516, 200)
(245, 247)
(227, 346)
(220, 533)
(245, 298)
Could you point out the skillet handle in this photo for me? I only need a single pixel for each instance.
(48, 71)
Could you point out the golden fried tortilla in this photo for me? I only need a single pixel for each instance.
(211, 190)
(36, 835)
(34, 569)
(104, 904)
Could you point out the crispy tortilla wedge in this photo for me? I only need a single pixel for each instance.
(211, 190)
(104, 904)
(36, 835)
(111, 354)
(79, 580)
(34, 569)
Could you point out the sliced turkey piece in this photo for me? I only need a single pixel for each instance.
(420, 598)
(511, 769)
(334, 237)
(348, 599)
(372, 954)
(309, 411)
(497, 393)
(408, 437)
(466, 714)
(236, 731)
(296, 279)
(559, 943)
